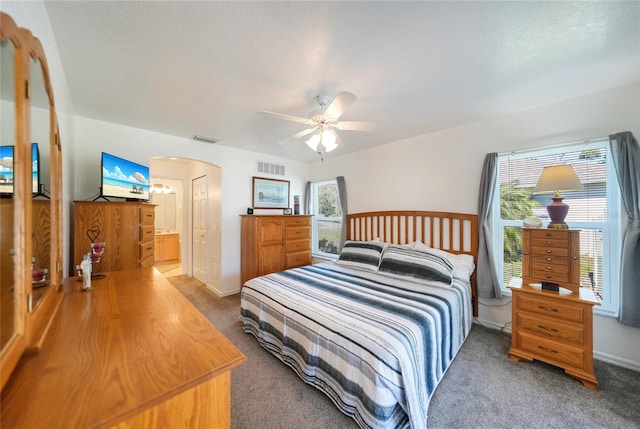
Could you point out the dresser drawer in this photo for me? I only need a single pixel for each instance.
(551, 308)
(148, 262)
(146, 250)
(551, 351)
(298, 221)
(147, 215)
(146, 233)
(548, 234)
(550, 267)
(552, 329)
(550, 276)
(292, 246)
(298, 259)
(294, 232)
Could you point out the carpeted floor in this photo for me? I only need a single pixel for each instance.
(481, 389)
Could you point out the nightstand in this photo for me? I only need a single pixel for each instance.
(556, 328)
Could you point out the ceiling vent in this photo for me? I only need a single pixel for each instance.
(265, 167)
(205, 139)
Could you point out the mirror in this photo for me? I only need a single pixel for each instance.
(41, 208)
(7, 141)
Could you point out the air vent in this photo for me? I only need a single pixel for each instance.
(265, 167)
(205, 139)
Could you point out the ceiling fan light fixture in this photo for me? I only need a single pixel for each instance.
(322, 142)
(313, 142)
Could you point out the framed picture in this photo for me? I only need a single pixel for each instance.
(270, 193)
(286, 211)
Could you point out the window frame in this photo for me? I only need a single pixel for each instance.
(313, 209)
(611, 228)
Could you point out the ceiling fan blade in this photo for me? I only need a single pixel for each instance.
(296, 136)
(339, 104)
(354, 126)
(286, 117)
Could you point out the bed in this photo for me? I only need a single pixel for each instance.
(377, 329)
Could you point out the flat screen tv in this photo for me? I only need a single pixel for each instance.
(35, 175)
(124, 179)
(6, 169)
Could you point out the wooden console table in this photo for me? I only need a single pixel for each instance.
(131, 353)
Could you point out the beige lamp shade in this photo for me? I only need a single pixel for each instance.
(558, 178)
(553, 180)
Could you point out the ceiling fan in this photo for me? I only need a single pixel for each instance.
(324, 122)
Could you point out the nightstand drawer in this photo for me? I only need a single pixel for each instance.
(552, 329)
(551, 351)
(551, 308)
(146, 250)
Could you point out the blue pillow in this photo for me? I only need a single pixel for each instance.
(362, 254)
(419, 266)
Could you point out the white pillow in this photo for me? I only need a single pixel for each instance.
(463, 264)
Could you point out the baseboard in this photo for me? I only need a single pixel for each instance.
(605, 357)
(614, 360)
(222, 294)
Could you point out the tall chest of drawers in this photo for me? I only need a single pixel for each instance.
(272, 243)
(127, 228)
(555, 327)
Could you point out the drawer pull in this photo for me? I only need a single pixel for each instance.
(548, 250)
(547, 329)
(542, 307)
(549, 268)
(549, 259)
(548, 242)
(549, 276)
(548, 349)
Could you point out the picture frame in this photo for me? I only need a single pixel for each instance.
(270, 193)
(287, 211)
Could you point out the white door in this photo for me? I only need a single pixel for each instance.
(199, 233)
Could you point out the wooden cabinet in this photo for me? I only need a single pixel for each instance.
(551, 255)
(167, 248)
(131, 353)
(127, 228)
(274, 243)
(556, 328)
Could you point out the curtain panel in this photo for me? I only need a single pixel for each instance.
(342, 195)
(488, 281)
(626, 159)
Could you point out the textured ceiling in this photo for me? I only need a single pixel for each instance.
(206, 67)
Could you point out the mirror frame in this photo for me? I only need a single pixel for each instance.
(32, 321)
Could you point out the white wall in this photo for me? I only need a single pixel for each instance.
(237, 169)
(441, 171)
(33, 16)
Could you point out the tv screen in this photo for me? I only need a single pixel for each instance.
(6, 170)
(124, 179)
(35, 160)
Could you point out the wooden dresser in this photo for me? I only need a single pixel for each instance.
(127, 228)
(131, 353)
(551, 255)
(272, 243)
(555, 327)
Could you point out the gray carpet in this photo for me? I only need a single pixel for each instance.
(481, 389)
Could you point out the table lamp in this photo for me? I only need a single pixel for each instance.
(553, 180)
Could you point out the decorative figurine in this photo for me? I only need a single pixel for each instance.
(86, 268)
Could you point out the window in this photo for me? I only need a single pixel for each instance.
(595, 211)
(327, 220)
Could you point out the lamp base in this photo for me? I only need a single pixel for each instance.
(558, 225)
(557, 213)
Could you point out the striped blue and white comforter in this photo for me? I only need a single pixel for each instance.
(377, 346)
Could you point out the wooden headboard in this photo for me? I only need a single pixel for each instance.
(453, 232)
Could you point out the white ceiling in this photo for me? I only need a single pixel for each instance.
(206, 67)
